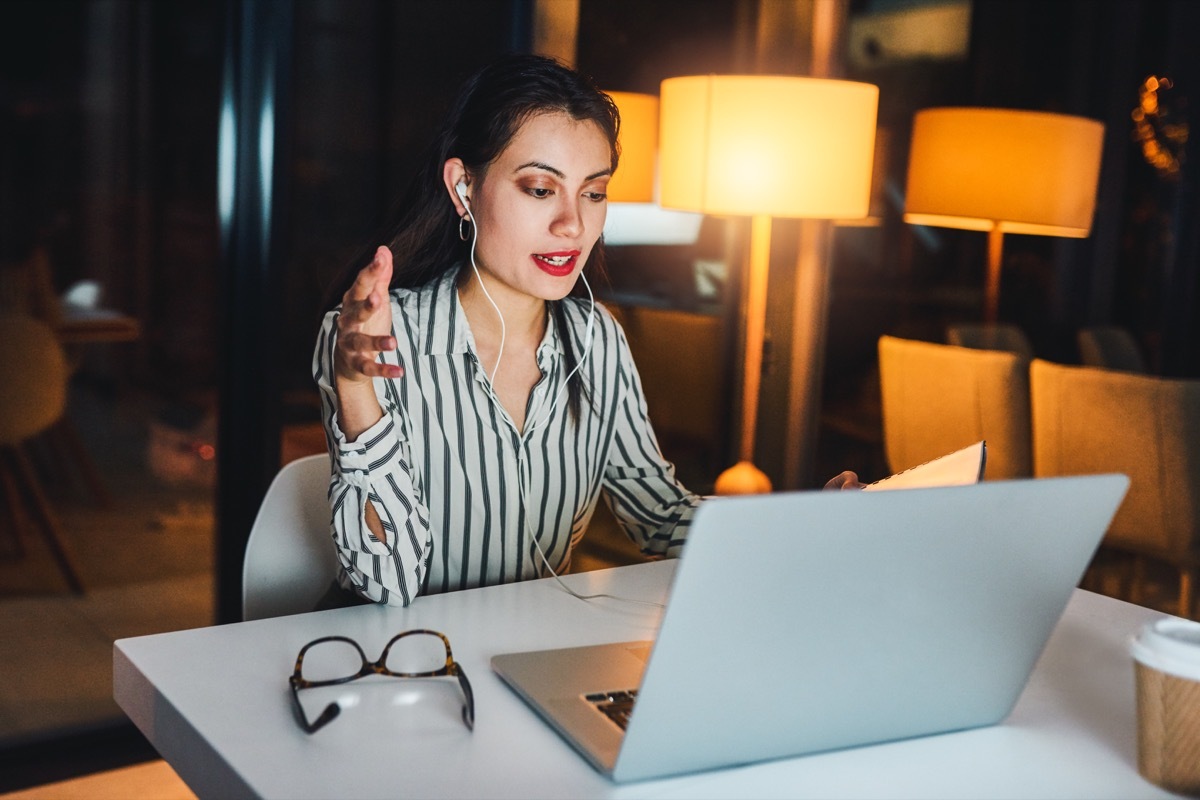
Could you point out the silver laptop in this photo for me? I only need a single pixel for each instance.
(811, 621)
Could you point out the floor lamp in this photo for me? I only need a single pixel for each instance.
(764, 146)
(1003, 171)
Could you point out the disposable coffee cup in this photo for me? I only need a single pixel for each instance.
(1167, 670)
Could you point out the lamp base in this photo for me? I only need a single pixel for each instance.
(742, 478)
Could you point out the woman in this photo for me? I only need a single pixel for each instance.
(475, 411)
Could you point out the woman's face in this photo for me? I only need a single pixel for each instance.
(542, 205)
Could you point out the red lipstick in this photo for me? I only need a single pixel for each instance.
(558, 264)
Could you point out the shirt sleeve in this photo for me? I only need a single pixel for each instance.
(376, 467)
(640, 484)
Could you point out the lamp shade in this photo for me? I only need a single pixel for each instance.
(767, 145)
(633, 182)
(1028, 172)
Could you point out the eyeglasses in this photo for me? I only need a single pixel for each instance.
(332, 660)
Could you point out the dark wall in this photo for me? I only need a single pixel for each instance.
(372, 79)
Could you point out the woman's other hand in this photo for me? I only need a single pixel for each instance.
(845, 480)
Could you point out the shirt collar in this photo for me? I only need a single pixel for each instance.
(448, 331)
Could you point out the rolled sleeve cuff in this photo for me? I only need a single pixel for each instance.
(356, 460)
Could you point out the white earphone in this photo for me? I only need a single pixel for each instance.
(460, 189)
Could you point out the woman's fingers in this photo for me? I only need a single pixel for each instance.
(365, 324)
(845, 480)
(359, 351)
(374, 369)
(354, 341)
(374, 276)
(365, 302)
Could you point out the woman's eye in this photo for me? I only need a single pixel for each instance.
(539, 191)
(596, 197)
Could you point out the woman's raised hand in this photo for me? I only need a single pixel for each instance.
(365, 325)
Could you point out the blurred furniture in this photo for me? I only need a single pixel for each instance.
(77, 325)
(1090, 420)
(677, 354)
(290, 560)
(27, 287)
(1110, 347)
(998, 336)
(1003, 171)
(765, 146)
(938, 398)
(82, 325)
(33, 398)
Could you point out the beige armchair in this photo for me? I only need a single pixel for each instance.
(678, 355)
(939, 398)
(1089, 420)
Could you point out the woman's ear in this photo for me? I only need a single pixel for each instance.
(454, 175)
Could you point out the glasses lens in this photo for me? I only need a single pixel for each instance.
(330, 661)
(417, 653)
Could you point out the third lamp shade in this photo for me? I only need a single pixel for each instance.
(767, 145)
(1026, 172)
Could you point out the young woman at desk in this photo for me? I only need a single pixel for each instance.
(477, 400)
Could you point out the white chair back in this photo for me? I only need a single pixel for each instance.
(290, 560)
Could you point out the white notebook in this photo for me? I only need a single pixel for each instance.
(960, 468)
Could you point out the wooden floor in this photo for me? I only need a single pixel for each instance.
(153, 780)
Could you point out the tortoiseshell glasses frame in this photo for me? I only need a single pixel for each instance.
(450, 668)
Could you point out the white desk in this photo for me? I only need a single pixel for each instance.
(215, 703)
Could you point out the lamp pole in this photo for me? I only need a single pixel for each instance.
(743, 477)
(991, 310)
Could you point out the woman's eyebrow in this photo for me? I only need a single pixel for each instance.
(557, 172)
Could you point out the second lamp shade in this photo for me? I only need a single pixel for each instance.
(760, 144)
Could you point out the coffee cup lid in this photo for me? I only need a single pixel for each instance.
(1170, 645)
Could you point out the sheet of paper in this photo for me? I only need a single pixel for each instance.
(960, 468)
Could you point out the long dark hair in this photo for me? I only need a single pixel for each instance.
(487, 113)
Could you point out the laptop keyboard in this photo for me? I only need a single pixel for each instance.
(617, 706)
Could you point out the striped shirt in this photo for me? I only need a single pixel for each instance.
(458, 488)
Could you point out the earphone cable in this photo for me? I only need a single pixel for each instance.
(486, 293)
(587, 351)
(555, 575)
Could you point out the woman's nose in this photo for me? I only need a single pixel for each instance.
(569, 220)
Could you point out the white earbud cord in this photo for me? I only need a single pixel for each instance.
(486, 293)
(587, 349)
(555, 575)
